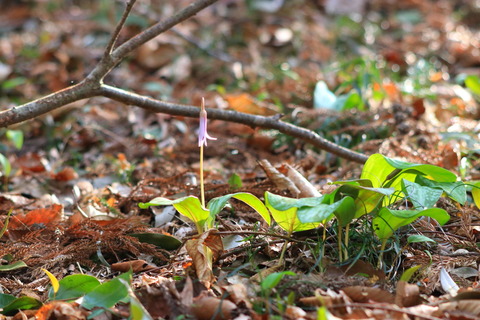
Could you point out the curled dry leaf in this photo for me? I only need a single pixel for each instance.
(245, 103)
(202, 251)
(407, 294)
(66, 174)
(306, 188)
(279, 179)
(206, 308)
(135, 265)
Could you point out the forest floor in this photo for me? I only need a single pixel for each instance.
(404, 79)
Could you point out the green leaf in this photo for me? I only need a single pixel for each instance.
(107, 294)
(455, 190)
(14, 82)
(476, 194)
(160, 240)
(343, 209)
(6, 299)
(235, 182)
(419, 238)
(420, 196)
(407, 275)
(74, 286)
(273, 279)
(189, 206)
(388, 221)
(16, 136)
(472, 82)
(217, 204)
(7, 168)
(353, 101)
(22, 303)
(13, 266)
(366, 198)
(384, 172)
(284, 211)
(137, 310)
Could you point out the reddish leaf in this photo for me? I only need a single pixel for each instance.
(136, 266)
(39, 217)
(66, 174)
(31, 162)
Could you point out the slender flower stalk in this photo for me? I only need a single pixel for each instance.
(203, 136)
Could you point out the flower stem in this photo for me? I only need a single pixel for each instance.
(202, 187)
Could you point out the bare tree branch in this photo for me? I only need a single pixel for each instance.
(231, 116)
(48, 103)
(93, 86)
(118, 28)
(123, 50)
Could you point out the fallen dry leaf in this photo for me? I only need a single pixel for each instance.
(207, 308)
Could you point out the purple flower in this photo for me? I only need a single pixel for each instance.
(202, 131)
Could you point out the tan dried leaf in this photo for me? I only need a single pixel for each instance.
(206, 308)
(365, 294)
(279, 179)
(407, 294)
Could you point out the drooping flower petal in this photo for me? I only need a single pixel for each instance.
(202, 131)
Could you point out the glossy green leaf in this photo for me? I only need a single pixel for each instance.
(13, 82)
(13, 266)
(273, 279)
(16, 136)
(137, 310)
(107, 294)
(7, 168)
(217, 204)
(388, 221)
(6, 299)
(386, 173)
(284, 212)
(420, 196)
(407, 275)
(74, 286)
(365, 196)
(189, 206)
(353, 101)
(419, 238)
(235, 182)
(22, 303)
(472, 82)
(476, 194)
(455, 190)
(343, 209)
(163, 241)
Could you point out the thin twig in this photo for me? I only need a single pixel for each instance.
(251, 246)
(222, 56)
(108, 63)
(118, 28)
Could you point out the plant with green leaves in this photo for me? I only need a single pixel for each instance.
(267, 287)
(385, 182)
(203, 216)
